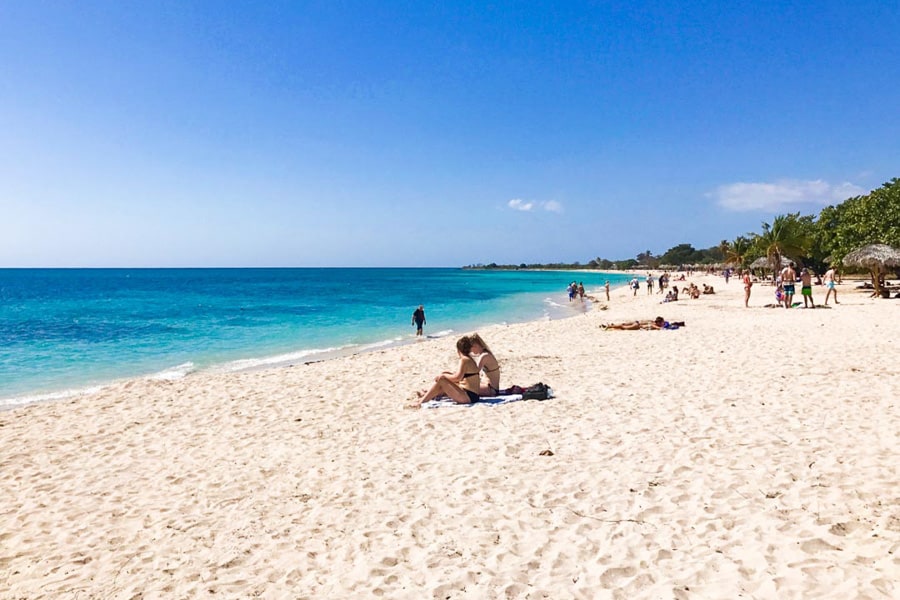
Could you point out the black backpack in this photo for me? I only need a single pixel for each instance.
(538, 391)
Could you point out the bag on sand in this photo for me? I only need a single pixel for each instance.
(538, 391)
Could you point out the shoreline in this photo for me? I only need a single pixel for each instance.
(276, 361)
(255, 363)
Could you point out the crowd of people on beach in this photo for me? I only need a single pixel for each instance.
(785, 282)
(478, 372)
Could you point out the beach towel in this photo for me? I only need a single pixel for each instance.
(490, 400)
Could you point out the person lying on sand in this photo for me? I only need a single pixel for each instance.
(462, 386)
(657, 323)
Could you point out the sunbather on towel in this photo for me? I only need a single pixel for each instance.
(487, 364)
(462, 386)
(657, 323)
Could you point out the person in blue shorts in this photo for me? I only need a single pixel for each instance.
(788, 277)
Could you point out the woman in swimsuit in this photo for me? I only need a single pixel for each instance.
(657, 323)
(462, 386)
(747, 285)
(487, 364)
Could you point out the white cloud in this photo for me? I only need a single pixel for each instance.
(553, 206)
(782, 195)
(549, 205)
(521, 205)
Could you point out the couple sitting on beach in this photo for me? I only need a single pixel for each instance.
(465, 386)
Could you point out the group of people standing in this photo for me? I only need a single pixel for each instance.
(575, 289)
(785, 286)
(466, 384)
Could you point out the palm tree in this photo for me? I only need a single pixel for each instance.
(785, 237)
(737, 251)
(723, 249)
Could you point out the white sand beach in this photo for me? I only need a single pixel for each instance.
(751, 454)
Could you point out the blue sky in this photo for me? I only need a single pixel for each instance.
(430, 134)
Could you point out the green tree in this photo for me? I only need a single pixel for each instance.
(870, 219)
(647, 258)
(682, 254)
(738, 252)
(788, 236)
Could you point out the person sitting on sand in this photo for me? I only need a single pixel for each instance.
(708, 289)
(657, 323)
(487, 364)
(462, 386)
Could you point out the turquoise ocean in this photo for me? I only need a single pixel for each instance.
(63, 331)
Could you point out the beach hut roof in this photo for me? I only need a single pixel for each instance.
(763, 262)
(873, 255)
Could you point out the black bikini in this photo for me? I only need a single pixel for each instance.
(473, 396)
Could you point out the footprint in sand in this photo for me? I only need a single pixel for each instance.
(843, 529)
(817, 545)
(611, 576)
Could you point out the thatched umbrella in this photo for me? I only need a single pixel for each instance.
(874, 257)
(763, 262)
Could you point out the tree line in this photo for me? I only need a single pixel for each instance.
(815, 241)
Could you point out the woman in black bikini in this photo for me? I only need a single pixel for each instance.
(462, 386)
(487, 364)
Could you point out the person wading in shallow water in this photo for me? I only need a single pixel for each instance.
(418, 319)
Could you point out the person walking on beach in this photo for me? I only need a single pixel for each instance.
(418, 319)
(829, 283)
(806, 287)
(606, 287)
(649, 284)
(634, 285)
(788, 278)
(747, 285)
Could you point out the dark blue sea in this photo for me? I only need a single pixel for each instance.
(66, 330)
